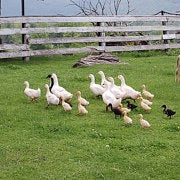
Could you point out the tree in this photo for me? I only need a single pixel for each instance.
(99, 7)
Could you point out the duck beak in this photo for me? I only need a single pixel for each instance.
(49, 76)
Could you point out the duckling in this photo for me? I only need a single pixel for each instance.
(147, 93)
(65, 105)
(149, 103)
(131, 106)
(83, 101)
(127, 120)
(51, 98)
(124, 109)
(117, 111)
(144, 105)
(32, 93)
(81, 108)
(168, 112)
(144, 123)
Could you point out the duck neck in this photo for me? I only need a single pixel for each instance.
(107, 87)
(103, 77)
(92, 80)
(122, 81)
(141, 118)
(111, 107)
(164, 110)
(47, 90)
(51, 84)
(55, 81)
(27, 85)
(112, 85)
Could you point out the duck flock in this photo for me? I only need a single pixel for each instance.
(112, 95)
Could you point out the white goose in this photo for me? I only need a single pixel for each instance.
(51, 98)
(109, 98)
(103, 78)
(32, 93)
(129, 91)
(59, 91)
(54, 81)
(97, 89)
(116, 90)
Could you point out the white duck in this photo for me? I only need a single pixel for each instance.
(109, 98)
(129, 91)
(66, 106)
(51, 98)
(116, 90)
(147, 93)
(97, 89)
(103, 79)
(81, 108)
(83, 101)
(53, 77)
(59, 91)
(32, 93)
(144, 123)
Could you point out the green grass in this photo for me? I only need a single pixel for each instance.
(39, 143)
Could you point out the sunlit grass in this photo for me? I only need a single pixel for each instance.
(40, 143)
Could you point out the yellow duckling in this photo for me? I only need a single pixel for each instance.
(147, 93)
(83, 101)
(81, 108)
(65, 105)
(144, 123)
(144, 105)
(123, 110)
(149, 103)
(127, 120)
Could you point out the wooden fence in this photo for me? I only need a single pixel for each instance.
(167, 25)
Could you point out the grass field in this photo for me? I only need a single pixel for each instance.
(39, 143)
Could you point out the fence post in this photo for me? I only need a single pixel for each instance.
(25, 37)
(101, 34)
(0, 24)
(165, 32)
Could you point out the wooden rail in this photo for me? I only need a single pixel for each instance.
(138, 33)
(89, 29)
(53, 19)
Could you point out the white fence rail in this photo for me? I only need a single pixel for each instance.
(167, 26)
